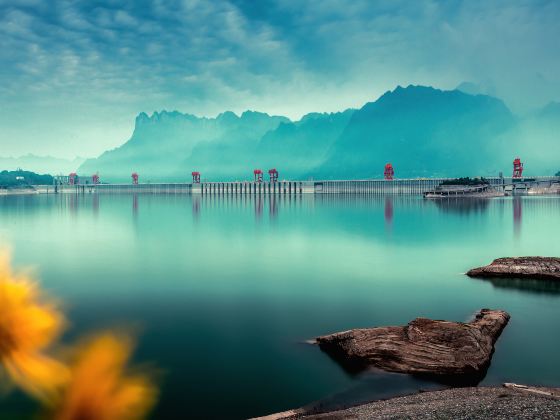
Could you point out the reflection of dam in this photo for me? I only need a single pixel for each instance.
(367, 186)
(388, 211)
(517, 215)
(392, 209)
(462, 206)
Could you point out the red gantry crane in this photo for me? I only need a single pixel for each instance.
(134, 178)
(196, 177)
(273, 174)
(517, 169)
(258, 175)
(95, 179)
(389, 172)
(73, 178)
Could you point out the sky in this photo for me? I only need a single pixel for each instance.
(74, 74)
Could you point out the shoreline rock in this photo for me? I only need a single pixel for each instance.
(436, 348)
(506, 402)
(542, 268)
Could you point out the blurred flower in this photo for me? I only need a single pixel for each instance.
(28, 324)
(101, 388)
(97, 386)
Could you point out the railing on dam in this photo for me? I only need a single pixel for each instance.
(246, 187)
(365, 186)
(167, 188)
(377, 186)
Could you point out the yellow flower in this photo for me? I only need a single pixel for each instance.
(97, 386)
(101, 388)
(28, 324)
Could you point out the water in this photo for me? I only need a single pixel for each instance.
(223, 291)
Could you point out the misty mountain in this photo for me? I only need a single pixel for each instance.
(161, 144)
(232, 155)
(537, 140)
(297, 147)
(422, 131)
(471, 88)
(294, 147)
(550, 113)
(41, 164)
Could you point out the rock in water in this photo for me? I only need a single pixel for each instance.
(424, 346)
(545, 268)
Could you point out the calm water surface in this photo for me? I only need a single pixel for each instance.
(223, 291)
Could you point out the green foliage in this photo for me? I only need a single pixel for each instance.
(558, 173)
(23, 179)
(466, 181)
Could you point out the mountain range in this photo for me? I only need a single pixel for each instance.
(41, 164)
(421, 130)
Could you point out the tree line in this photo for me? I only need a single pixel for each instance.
(23, 179)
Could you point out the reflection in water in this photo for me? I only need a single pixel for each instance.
(258, 207)
(135, 205)
(388, 212)
(72, 203)
(386, 204)
(272, 206)
(463, 205)
(196, 206)
(258, 203)
(526, 285)
(95, 204)
(323, 266)
(517, 216)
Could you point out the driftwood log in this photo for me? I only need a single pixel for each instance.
(424, 346)
(544, 268)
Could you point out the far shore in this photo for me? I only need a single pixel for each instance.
(33, 189)
(18, 191)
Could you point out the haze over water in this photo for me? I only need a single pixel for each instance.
(223, 291)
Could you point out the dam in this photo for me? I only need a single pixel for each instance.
(516, 184)
(365, 186)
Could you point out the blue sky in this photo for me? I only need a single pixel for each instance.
(74, 74)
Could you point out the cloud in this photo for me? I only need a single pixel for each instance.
(88, 67)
